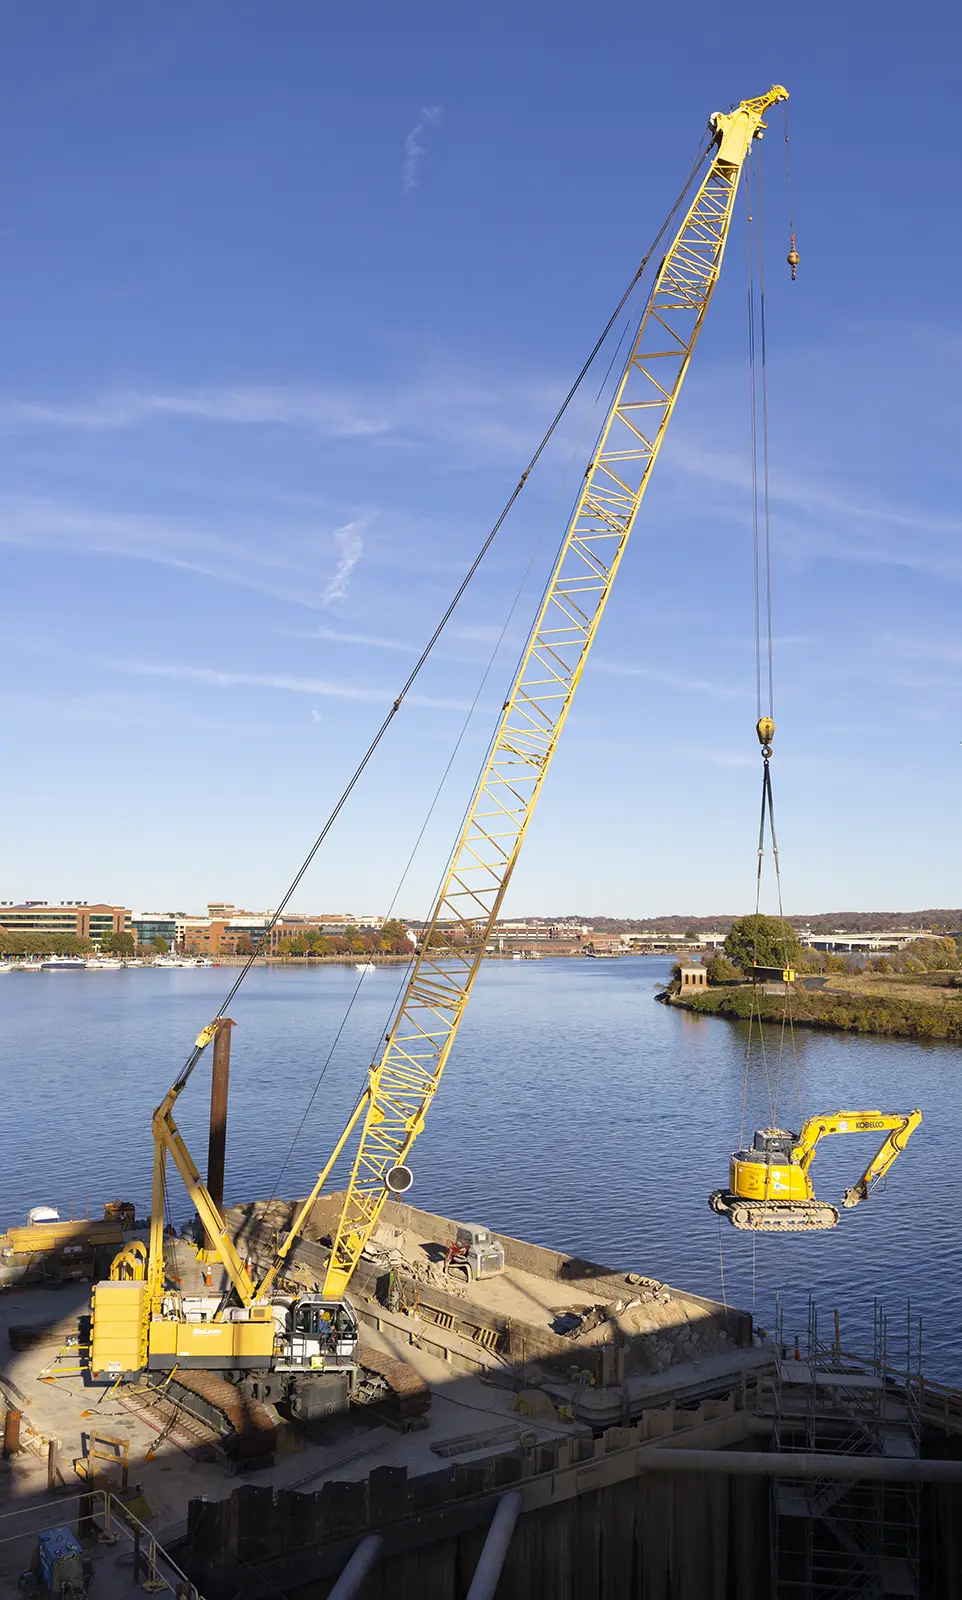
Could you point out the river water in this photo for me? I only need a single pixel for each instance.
(575, 1112)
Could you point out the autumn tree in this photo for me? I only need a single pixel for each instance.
(761, 941)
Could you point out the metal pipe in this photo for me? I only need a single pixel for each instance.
(755, 1464)
(361, 1563)
(491, 1560)
(217, 1144)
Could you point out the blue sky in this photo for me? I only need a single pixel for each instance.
(289, 294)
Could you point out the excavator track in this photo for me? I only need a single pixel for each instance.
(774, 1216)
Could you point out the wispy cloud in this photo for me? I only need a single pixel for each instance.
(288, 562)
(370, 641)
(332, 413)
(222, 678)
(414, 150)
(674, 680)
(441, 406)
(823, 517)
(349, 540)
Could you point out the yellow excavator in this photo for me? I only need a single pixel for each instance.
(280, 1344)
(769, 1188)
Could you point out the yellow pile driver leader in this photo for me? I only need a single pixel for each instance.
(769, 1188)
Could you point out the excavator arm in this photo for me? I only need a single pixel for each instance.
(882, 1161)
(899, 1126)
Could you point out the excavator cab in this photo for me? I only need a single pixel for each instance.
(774, 1144)
(770, 1172)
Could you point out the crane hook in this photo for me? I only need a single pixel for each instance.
(793, 258)
(765, 728)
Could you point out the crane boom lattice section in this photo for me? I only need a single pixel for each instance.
(404, 1081)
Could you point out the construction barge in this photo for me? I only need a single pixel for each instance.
(626, 1428)
(347, 1396)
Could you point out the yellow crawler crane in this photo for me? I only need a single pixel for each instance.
(769, 1188)
(139, 1320)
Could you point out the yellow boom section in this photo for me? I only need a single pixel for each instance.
(403, 1082)
(900, 1126)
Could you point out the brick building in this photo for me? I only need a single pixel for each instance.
(77, 917)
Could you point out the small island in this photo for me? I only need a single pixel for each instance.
(915, 994)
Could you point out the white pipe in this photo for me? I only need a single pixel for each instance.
(491, 1560)
(361, 1563)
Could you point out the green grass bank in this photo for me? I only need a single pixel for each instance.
(865, 1009)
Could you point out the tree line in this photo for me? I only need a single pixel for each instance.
(71, 944)
(390, 939)
(772, 942)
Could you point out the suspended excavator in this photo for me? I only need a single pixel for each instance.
(277, 1343)
(769, 1188)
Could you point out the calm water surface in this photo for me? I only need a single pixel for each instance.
(575, 1112)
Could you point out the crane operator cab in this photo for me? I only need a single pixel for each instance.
(314, 1372)
(321, 1335)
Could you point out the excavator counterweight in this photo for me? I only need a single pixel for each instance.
(769, 1188)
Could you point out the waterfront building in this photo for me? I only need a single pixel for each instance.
(78, 917)
(147, 926)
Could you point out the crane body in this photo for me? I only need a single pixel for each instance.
(769, 1186)
(257, 1332)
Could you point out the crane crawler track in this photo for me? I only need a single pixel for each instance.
(248, 1426)
(772, 1216)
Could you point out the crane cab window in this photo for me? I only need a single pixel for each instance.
(321, 1322)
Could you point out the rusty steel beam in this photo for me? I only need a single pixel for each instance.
(217, 1144)
(786, 1464)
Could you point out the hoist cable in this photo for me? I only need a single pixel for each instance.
(431, 809)
(699, 158)
(422, 659)
(788, 174)
(766, 491)
(753, 425)
(764, 637)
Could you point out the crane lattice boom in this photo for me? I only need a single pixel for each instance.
(403, 1082)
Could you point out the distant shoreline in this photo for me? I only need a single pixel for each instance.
(935, 1016)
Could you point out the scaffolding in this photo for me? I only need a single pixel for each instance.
(833, 1539)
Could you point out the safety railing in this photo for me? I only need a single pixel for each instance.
(938, 1403)
(100, 1521)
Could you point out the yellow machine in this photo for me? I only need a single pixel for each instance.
(770, 1190)
(299, 1347)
